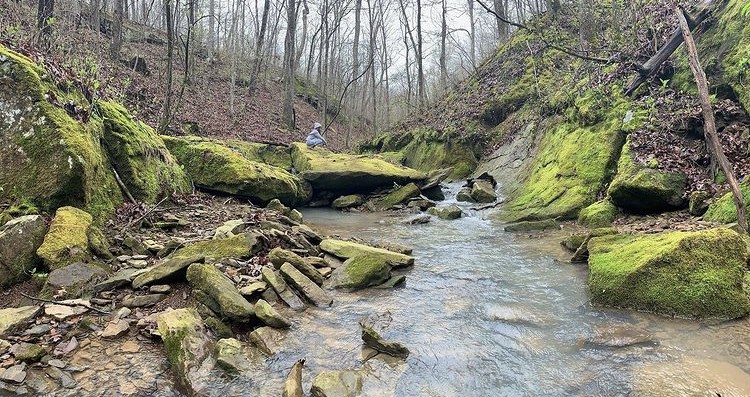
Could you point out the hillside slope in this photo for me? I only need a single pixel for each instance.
(550, 127)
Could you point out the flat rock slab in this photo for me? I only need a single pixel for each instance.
(236, 357)
(16, 373)
(76, 279)
(121, 278)
(307, 287)
(142, 300)
(70, 308)
(115, 329)
(266, 313)
(348, 249)
(282, 289)
(210, 280)
(166, 269)
(15, 318)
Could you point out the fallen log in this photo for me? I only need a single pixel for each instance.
(699, 14)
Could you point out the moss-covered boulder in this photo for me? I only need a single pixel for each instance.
(218, 168)
(348, 249)
(532, 226)
(361, 272)
(71, 238)
(724, 210)
(348, 201)
(47, 156)
(600, 214)
(640, 189)
(240, 246)
(188, 348)
(207, 278)
(274, 155)
(397, 196)
(343, 173)
(690, 274)
(448, 213)
(139, 155)
(19, 240)
(698, 203)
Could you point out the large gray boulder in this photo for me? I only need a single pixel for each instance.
(19, 240)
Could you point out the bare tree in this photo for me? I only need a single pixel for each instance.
(259, 42)
(288, 66)
(116, 43)
(167, 109)
(443, 56)
(44, 22)
(420, 57)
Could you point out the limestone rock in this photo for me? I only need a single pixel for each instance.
(450, 212)
(346, 174)
(253, 288)
(216, 167)
(241, 246)
(279, 256)
(115, 329)
(76, 280)
(187, 345)
(28, 352)
(267, 339)
(142, 300)
(234, 356)
(397, 196)
(230, 228)
(348, 201)
(348, 249)
(269, 316)
(210, 280)
(282, 289)
(307, 287)
(392, 282)
(67, 241)
(16, 373)
(166, 269)
(482, 191)
(372, 339)
(361, 272)
(464, 195)
(337, 384)
(532, 226)
(14, 319)
(293, 384)
(19, 240)
(692, 274)
(68, 308)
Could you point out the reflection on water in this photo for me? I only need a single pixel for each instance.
(486, 313)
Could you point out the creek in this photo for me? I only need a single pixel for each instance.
(488, 313)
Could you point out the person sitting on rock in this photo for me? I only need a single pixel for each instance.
(314, 138)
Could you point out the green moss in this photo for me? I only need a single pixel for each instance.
(139, 155)
(692, 274)
(67, 240)
(207, 278)
(639, 189)
(21, 209)
(572, 165)
(239, 246)
(216, 167)
(724, 210)
(361, 272)
(529, 226)
(275, 155)
(348, 249)
(46, 156)
(397, 196)
(600, 214)
(184, 339)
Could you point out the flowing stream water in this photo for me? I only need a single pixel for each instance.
(488, 313)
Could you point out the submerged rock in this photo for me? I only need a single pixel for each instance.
(337, 384)
(529, 226)
(216, 167)
(344, 174)
(307, 287)
(691, 274)
(210, 280)
(348, 249)
(348, 201)
(617, 336)
(600, 214)
(234, 356)
(372, 339)
(188, 348)
(361, 272)
(19, 240)
(267, 340)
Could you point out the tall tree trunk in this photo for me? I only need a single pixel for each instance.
(288, 67)
(258, 61)
(303, 41)
(502, 27)
(167, 110)
(443, 56)
(95, 22)
(472, 34)
(116, 43)
(420, 58)
(211, 28)
(355, 65)
(44, 22)
(712, 138)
